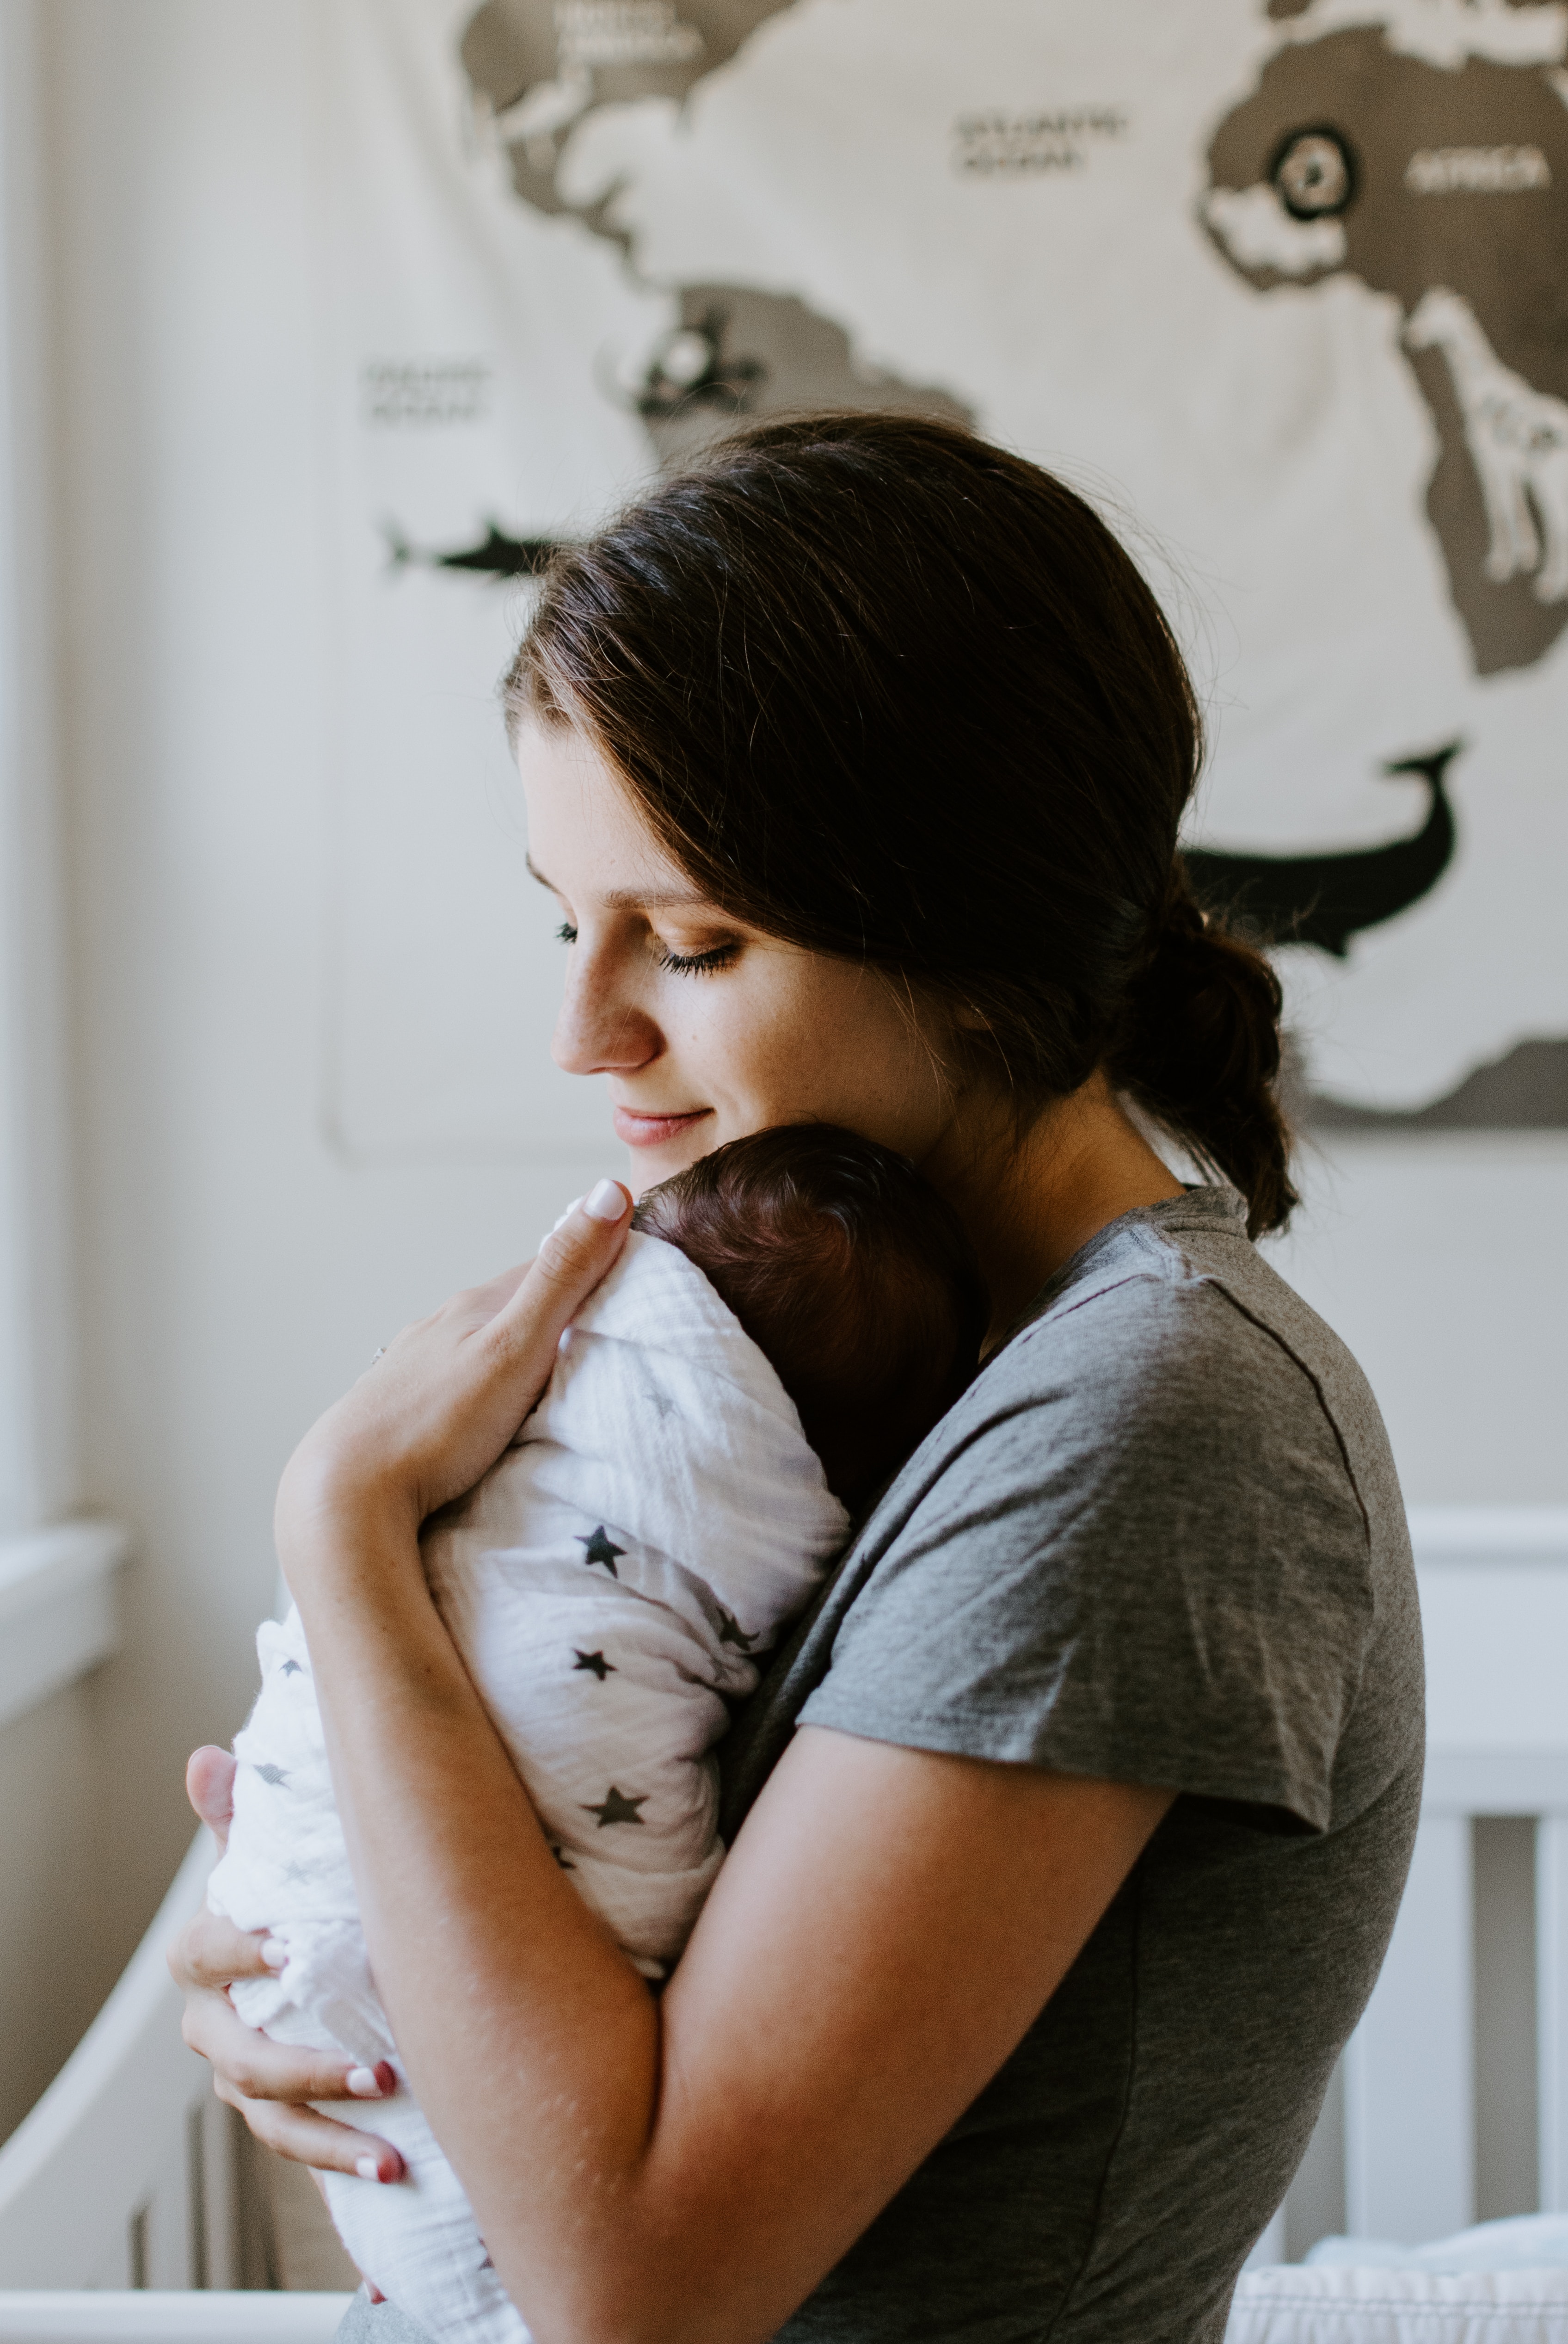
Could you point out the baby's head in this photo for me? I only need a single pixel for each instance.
(851, 1275)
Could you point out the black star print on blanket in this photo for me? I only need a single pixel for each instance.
(596, 1661)
(617, 1808)
(730, 1630)
(273, 1774)
(602, 1548)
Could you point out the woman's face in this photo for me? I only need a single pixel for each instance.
(706, 1029)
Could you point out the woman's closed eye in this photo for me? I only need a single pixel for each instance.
(676, 964)
(700, 963)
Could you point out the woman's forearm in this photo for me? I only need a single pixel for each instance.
(685, 2173)
(532, 2043)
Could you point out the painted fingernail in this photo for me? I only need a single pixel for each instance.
(604, 1203)
(364, 2083)
(274, 1953)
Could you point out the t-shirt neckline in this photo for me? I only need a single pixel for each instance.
(1203, 1204)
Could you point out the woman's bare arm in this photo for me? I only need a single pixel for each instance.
(886, 1928)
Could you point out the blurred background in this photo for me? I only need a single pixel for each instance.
(321, 321)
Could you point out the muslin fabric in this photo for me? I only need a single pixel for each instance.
(608, 1585)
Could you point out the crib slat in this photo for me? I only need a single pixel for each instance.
(1552, 2007)
(213, 2182)
(1410, 2094)
(170, 2246)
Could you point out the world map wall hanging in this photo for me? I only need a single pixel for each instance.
(1284, 287)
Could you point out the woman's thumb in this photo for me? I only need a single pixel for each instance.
(570, 1263)
(210, 1787)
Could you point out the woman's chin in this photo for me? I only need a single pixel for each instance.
(659, 1147)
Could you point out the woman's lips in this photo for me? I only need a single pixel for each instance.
(636, 1130)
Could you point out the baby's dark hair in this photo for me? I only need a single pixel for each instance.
(852, 1275)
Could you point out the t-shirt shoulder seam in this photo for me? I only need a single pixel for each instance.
(1216, 1282)
(1211, 1278)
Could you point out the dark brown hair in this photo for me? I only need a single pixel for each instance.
(853, 1276)
(885, 691)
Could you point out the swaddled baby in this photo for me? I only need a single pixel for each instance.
(788, 1319)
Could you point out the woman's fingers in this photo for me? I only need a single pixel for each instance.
(252, 2065)
(308, 2139)
(492, 1296)
(211, 1952)
(446, 1397)
(210, 1787)
(508, 1353)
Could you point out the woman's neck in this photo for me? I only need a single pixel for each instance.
(1029, 1205)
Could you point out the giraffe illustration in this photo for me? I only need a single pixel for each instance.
(1518, 442)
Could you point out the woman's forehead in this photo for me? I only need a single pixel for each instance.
(587, 835)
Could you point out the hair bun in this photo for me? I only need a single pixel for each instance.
(1200, 1051)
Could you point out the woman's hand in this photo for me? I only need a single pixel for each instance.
(421, 1427)
(448, 1393)
(268, 2082)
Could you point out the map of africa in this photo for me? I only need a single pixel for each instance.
(1284, 286)
(1448, 189)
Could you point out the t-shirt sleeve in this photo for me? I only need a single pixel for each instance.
(1144, 1558)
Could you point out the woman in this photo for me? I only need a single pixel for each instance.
(1076, 1816)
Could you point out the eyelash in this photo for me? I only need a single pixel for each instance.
(703, 963)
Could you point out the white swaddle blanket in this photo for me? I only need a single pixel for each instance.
(656, 1521)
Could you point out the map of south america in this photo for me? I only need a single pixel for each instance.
(1447, 187)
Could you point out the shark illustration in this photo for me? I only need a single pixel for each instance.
(497, 555)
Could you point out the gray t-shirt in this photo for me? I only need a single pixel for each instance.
(1159, 1540)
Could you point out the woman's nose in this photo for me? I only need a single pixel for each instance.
(600, 1030)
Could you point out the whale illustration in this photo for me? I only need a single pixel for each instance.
(1324, 900)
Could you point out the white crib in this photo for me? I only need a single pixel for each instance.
(1495, 1609)
(117, 2195)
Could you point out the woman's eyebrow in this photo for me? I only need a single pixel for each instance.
(630, 899)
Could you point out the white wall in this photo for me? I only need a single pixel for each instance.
(234, 1271)
(1443, 1260)
(54, 1962)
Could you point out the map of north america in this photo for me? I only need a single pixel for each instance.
(541, 67)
